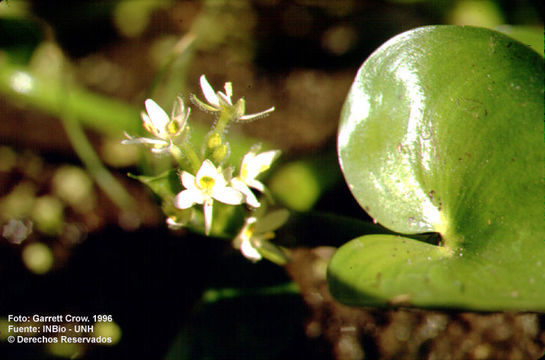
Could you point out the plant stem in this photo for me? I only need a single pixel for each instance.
(105, 180)
(214, 295)
(95, 111)
(186, 155)
(223, 121)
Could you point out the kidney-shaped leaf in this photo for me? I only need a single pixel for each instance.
(442, 131)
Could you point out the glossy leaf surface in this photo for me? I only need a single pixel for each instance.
(442, 131)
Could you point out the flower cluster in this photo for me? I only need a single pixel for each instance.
(204, 176)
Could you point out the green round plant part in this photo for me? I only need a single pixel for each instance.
(442, 131)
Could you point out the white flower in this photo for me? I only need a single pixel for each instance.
(161, 126)
(221, 101)
(253, 238)
(246, 238)
(252, 165)
(208, 185)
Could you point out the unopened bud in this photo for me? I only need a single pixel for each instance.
(214, 140)
(219, 153)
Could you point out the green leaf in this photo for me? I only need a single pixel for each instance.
(442, 131)
(528, 35)
(165, 186)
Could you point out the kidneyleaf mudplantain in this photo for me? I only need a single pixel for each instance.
(442, 131)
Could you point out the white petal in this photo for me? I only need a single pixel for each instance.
(146, 120)
(228, 86)
(249, 251)
(150, 126)
(265, 159)
(219, 180)
(209, 92)
(252, 200)
(179, 110)
(255, 184)
(248, 159)
(246, 171)
(187, 198)
(208, 212)
(157, 115)
(244, 189)
(188, 180)
(180, 113)
(239, 185)
(252, 164)
(223, 99)
(260, 163)
(207, 169)
(227, 195)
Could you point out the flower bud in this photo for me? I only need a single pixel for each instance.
(214, 140)
(219, 153)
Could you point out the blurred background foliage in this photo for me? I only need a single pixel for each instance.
(79, 236)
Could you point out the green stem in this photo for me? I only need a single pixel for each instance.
(214, 295)
(178, 155)
(223, 121)
(95, 111)
(190, 156)
(92, 162)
